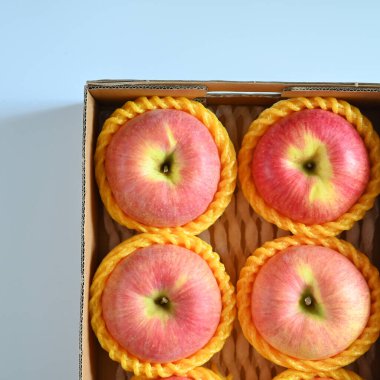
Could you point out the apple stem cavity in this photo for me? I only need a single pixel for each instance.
(163, 302)
(309, 166)
(309, 304)
(166, 166)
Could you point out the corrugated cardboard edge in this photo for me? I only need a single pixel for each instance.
(84, 130)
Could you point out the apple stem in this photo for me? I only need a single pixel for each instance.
(164, 301)
(308, 301)
(166, 165)
(309, 166)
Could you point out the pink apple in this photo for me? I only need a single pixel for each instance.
(310, 302)
(162, 303)
(163, 168)
(311, 166)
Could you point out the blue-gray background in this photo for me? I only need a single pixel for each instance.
(48, 49)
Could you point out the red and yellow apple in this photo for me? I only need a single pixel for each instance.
(310, 302)
(162, 303)
(163, 168)
(311, 166)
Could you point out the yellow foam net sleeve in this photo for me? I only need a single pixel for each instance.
(225, 147)
(244, 292)
(282, 109)
(199, 373)
(339, 374)
(180, 367)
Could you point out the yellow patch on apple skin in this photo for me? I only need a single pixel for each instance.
(322, 191)
(152, 159)
(306, 274)
(180, 282)
(315, 151)
(172, 141)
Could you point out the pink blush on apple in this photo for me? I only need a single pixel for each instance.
(311, 166)
(310, 302)
(162, 303)
(163, 168)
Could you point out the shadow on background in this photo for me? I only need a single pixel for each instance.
(40, 203)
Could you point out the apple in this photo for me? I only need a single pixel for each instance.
(162, 303)
(163, 168)
(310, 302)
(311, 166)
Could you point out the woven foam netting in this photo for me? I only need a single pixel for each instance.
(225, 147)
(244, 289)
(339, 374)
(180, 367)
(199, 373)
(282, 109)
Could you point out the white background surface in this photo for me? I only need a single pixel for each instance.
(49, 49)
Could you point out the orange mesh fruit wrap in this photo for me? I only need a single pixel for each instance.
(282, 109)
(180, 367)
(339, 374)
(226, 152)
(199, 373)
(244, 291)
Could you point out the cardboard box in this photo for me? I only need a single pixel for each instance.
(102, 97)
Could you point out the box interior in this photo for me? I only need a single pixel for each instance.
(102, 97)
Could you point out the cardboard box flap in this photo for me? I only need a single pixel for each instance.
(119, 91)
(349, 92)
(218, 91)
